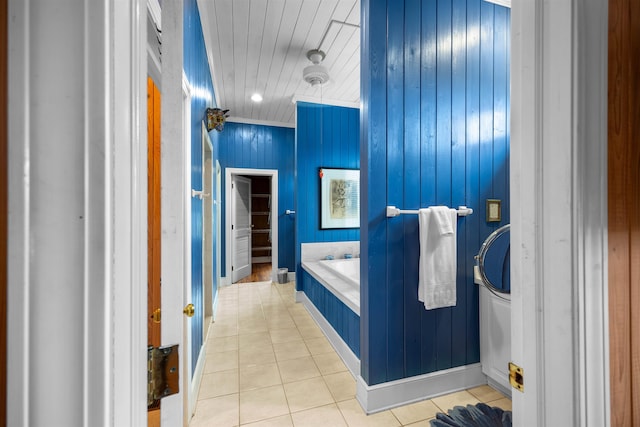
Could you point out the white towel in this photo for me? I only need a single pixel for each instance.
(438, 257)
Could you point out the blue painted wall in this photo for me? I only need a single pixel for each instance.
(435, 131)
(263, 147)
(326, 136)
(196, 69)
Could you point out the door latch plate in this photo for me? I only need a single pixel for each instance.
(516, 377)
(163, 373)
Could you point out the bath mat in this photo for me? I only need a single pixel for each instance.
(480, 415)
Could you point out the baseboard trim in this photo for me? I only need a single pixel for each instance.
(343, 350)
(391, 394)
(197, 379)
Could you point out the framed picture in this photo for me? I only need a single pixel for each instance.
(339, 198)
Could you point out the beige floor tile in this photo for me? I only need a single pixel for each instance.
(220, 344)
(319, 345)
(342, 386)
(312, 331)
(329, 363)
(217, 412)
(222, 361)
(460, 398)
(224, 331)
(485, 393)
(251, 318)
(323, 416)
(225, 322)
(252, 328)
(283, 421)
(256, 323)
(423, 423)
(255, 341)
(290, 350)
(275, 309)
(262, 404)
(285, 335)
(280, 323)
(414, 412)
(297, 309)
(259, 376)
(304, 321)
(252, 357)
(225, 319)
(298, 369)
(355, 416)
(218, 384)
(504, 403)
(307, 394)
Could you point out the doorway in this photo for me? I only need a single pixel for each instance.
(268, 213)
(261, 235)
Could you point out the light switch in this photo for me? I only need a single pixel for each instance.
(494, 212)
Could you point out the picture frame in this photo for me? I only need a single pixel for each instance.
(339, 198)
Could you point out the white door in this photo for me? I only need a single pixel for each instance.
(241, 228)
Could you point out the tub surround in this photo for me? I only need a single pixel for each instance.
(314, 263)
(317, 251)
(332, 299)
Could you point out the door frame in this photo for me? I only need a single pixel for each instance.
(175, 205)
(229, 174)
(559, 219)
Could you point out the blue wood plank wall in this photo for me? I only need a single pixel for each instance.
(326, 136)
(197, 71)
(264, 147)
(343, 320)
(434, 131)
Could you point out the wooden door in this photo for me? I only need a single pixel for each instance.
(624, 211)
(3, 211)
(153, 225)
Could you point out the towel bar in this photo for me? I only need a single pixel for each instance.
(392, 211)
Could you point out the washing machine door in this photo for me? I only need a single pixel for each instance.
(493, 261)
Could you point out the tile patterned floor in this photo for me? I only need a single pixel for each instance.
(268, 364)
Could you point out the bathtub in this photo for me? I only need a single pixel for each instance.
(341, 277)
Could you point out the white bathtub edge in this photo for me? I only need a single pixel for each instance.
(391, 394)
(343, 350)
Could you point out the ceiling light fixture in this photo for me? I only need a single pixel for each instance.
(256, 97)
(317, 74)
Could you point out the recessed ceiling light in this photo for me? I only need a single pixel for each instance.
(256, 97)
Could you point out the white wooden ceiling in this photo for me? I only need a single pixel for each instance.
(261, 46)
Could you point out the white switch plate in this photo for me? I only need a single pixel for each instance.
(494, 210)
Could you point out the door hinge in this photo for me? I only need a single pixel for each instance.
(163, 373)
(156, 316)
(232, 268)
(516, 377)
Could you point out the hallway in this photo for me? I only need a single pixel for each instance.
(268, 363)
